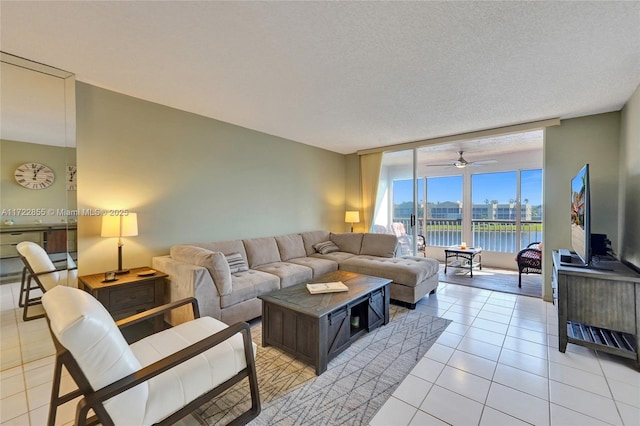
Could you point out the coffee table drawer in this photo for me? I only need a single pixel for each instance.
(376, 310)
(132, 297)
(338, 332)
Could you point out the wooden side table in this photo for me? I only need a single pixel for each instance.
(130, 293)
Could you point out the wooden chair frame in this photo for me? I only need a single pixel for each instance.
(24, 299)
(93, 399)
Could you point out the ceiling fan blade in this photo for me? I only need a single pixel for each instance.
(483, 162)
(461, 163)
(439, 165)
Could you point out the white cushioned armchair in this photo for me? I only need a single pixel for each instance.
(40, 273)
(156, 380)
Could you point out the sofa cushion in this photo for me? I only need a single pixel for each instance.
(409, 271)
(261, 251)
(226, 247)
(319, 266)
(312, 238)
(215, 262)
(290, 246)
(236, 263)
(289, 273)
(221, 273)
(338, 256)
(326, 247)
(383, 245)
(248, 285)
(349, 242)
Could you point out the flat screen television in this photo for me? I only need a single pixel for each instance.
(581, 216)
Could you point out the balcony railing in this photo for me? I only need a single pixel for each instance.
(491, 235)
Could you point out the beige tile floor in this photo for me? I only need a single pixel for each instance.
(26, 373)
(496, 364)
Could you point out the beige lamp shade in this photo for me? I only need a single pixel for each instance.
(352, 216)
(120, 226)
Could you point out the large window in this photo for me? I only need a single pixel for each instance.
(494, 210)
(531, 207)
(403, 199)
(444, 211)
(493, 201)
(502, 221)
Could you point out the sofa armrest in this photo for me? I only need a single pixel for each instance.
(187, 280)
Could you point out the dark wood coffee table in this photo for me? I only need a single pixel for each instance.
(317, 327)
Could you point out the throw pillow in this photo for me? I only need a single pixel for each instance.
(382, 245)
(236, 263)
(290, 246)
(326, 247)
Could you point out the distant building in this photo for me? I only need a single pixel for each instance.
(452, 210)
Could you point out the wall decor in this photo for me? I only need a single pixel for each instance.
(34, 176)
(72, 178)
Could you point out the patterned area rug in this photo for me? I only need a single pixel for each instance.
(356, 384)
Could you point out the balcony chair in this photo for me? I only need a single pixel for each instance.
(405, 240)
(156, 380)
(529, 260)
(40, 273)
(379, 229)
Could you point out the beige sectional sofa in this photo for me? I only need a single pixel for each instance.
(226, 277)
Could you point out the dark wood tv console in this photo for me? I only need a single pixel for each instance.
(599, 309)
(317, 327)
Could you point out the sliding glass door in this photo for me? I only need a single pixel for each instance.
(398, 200)
(443, 219)
(507, 210)
(496, 207)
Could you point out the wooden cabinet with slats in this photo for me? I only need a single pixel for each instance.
(598, 308)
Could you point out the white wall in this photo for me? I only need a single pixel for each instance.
(192, 178)
(595, 140)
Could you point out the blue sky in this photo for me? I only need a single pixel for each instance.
(492, 186)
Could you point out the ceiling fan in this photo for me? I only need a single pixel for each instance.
(461, 163)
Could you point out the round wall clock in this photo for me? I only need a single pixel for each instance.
(34, 176)
(72, 178)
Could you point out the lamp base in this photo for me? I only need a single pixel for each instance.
(120, 271)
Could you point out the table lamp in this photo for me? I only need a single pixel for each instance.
(120, 226)
(352, 216)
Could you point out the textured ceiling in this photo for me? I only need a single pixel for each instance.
(345, 76)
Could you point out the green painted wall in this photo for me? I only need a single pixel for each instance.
(192, 178)
(15, 196)
(595, 140)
